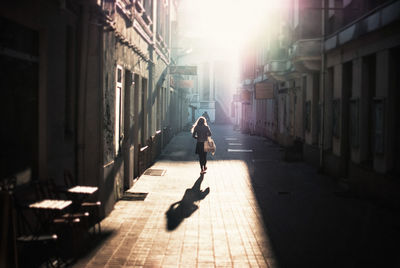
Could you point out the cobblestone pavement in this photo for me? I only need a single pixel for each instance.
(259, 212)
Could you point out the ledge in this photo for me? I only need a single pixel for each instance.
(375, 20)
(139, 7)
(125, 12)
(306, 56)
(147, 19)
(143, 29)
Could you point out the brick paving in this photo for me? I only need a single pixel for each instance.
(225, 231)
(260, 212)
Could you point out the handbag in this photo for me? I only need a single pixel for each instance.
(209, 146)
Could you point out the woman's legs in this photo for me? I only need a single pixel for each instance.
(203, 160)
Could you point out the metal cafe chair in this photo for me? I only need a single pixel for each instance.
(71, 225)
(27, 241)
(47, 190)
(84, 204)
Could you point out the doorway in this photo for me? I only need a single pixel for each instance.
(19, 100)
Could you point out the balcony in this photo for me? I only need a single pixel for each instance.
(306, 55)
(276, 66)
(278, 69)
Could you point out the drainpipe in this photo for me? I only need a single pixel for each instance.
(323, 76)
(101, 105)
(81, 98)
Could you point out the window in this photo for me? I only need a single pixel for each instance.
(146, 4)
(118, 111)
(119, 75)
(354, 123)
(160, 17)
(318, 120)
(331, 8)
(148, 7)
(296, 11)
(144, 113)
(167, 27)
(307, 121)
(20, 97)
(69, 82)
(336, 118)
(379, 109)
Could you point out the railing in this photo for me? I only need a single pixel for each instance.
(307, 48)
(152, 149)
(306, 55)
(354, 15)
(278, 69)
(166, 136)
(155, 145)
(277, 66)
(142, 158)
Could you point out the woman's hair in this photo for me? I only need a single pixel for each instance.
(199, 122)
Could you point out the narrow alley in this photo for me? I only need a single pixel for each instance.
(98, 167)
(260, 212)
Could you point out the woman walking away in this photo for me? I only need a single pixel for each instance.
(201, 132)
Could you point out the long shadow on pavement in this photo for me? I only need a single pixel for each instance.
(89, 248)
(184, 208)
(308, 217)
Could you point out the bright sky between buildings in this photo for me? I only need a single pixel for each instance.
(227, 24)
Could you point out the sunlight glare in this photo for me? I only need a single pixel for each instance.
(228, 24)
(220, 29)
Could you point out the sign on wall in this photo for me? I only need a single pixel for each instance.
(245, 96)
(187, 84)
(184, 70)
(264, 90)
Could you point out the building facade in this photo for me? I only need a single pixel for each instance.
(333, 66)
(361, 94)
(87, 90)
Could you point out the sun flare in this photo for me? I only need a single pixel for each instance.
(228, 24)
